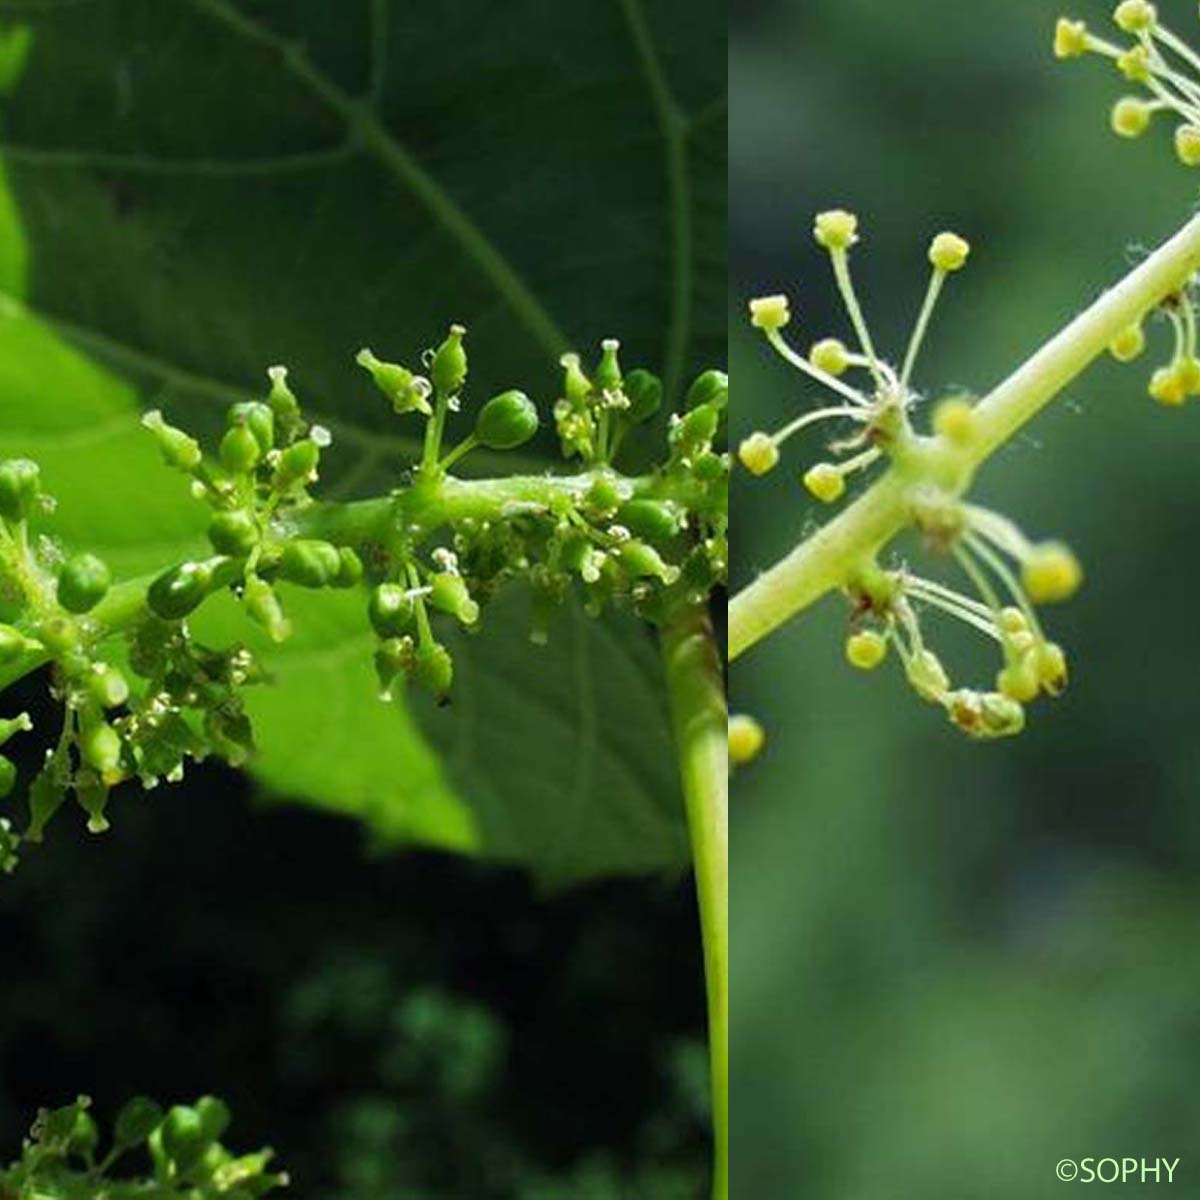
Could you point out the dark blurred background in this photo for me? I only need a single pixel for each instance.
(955, 964)
(395, 1026)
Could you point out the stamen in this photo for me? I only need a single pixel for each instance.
(802, 364)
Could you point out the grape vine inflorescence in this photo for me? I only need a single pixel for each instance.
(888, 603)
(141, 695)
(181, 1155)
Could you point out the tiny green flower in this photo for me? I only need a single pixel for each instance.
(449, 368)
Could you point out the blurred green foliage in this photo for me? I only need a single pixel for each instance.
(956, 964)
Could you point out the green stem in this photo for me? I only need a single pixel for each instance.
(697, 698)
(828, 558)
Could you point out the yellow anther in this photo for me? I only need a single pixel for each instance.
(1051, 573)
(948, 252)
(1019, 681)
(1070, 38)
(1187, 371)
(1167, 387)
(866, 649)
(1012, 621)
(1135, 16)
(1052, 668)
(758, 453)
(746, 739)
(1134, 64)
(1130, 117)
(825, 482)
(836, 229)
(1128, 344)
(954, 419)
(829, 355)
(1187, 145)
(769, 312)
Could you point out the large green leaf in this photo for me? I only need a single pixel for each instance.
(200, 189)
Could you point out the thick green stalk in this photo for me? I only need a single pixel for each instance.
(828, 558)
(697, 696)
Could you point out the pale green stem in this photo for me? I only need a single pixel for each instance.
(830, 557)
(918, 334)
(841, 273)
(697, 697)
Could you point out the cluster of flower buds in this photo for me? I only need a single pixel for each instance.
(872, 416)
(1008, 577)
(61, 595)
(1159, 62)
(652, 542)
(594, 415)
(64, 1156)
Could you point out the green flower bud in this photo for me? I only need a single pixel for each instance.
(604, 497)
(259, 419)
(576, 385)
(84, 1136)
(712, 387)
(449, 368)
(93, 799)
(506, 421)
(608, 370)
(284, 406)
(393, 657)
(183, 1136)
(350, 569)
(179, 590)
(309, 563)
(449, 594)
(136, 1121)
(406, 391)
(100, 748)
(434, 669)
(20, 483)
(214, 1117)
(13, 643)
(10, 844)
(8, 776)
(14, 725)
(697, 428)
(655, 520)
(709, 467)
(390, 610)
(297, 464)
(178, 449)
(46, 796)
(60, 635)
(83, 581)
(233, 533)
(240, 451)
(263, 608)
(642, 561)
(644, 390)
(107, 686)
